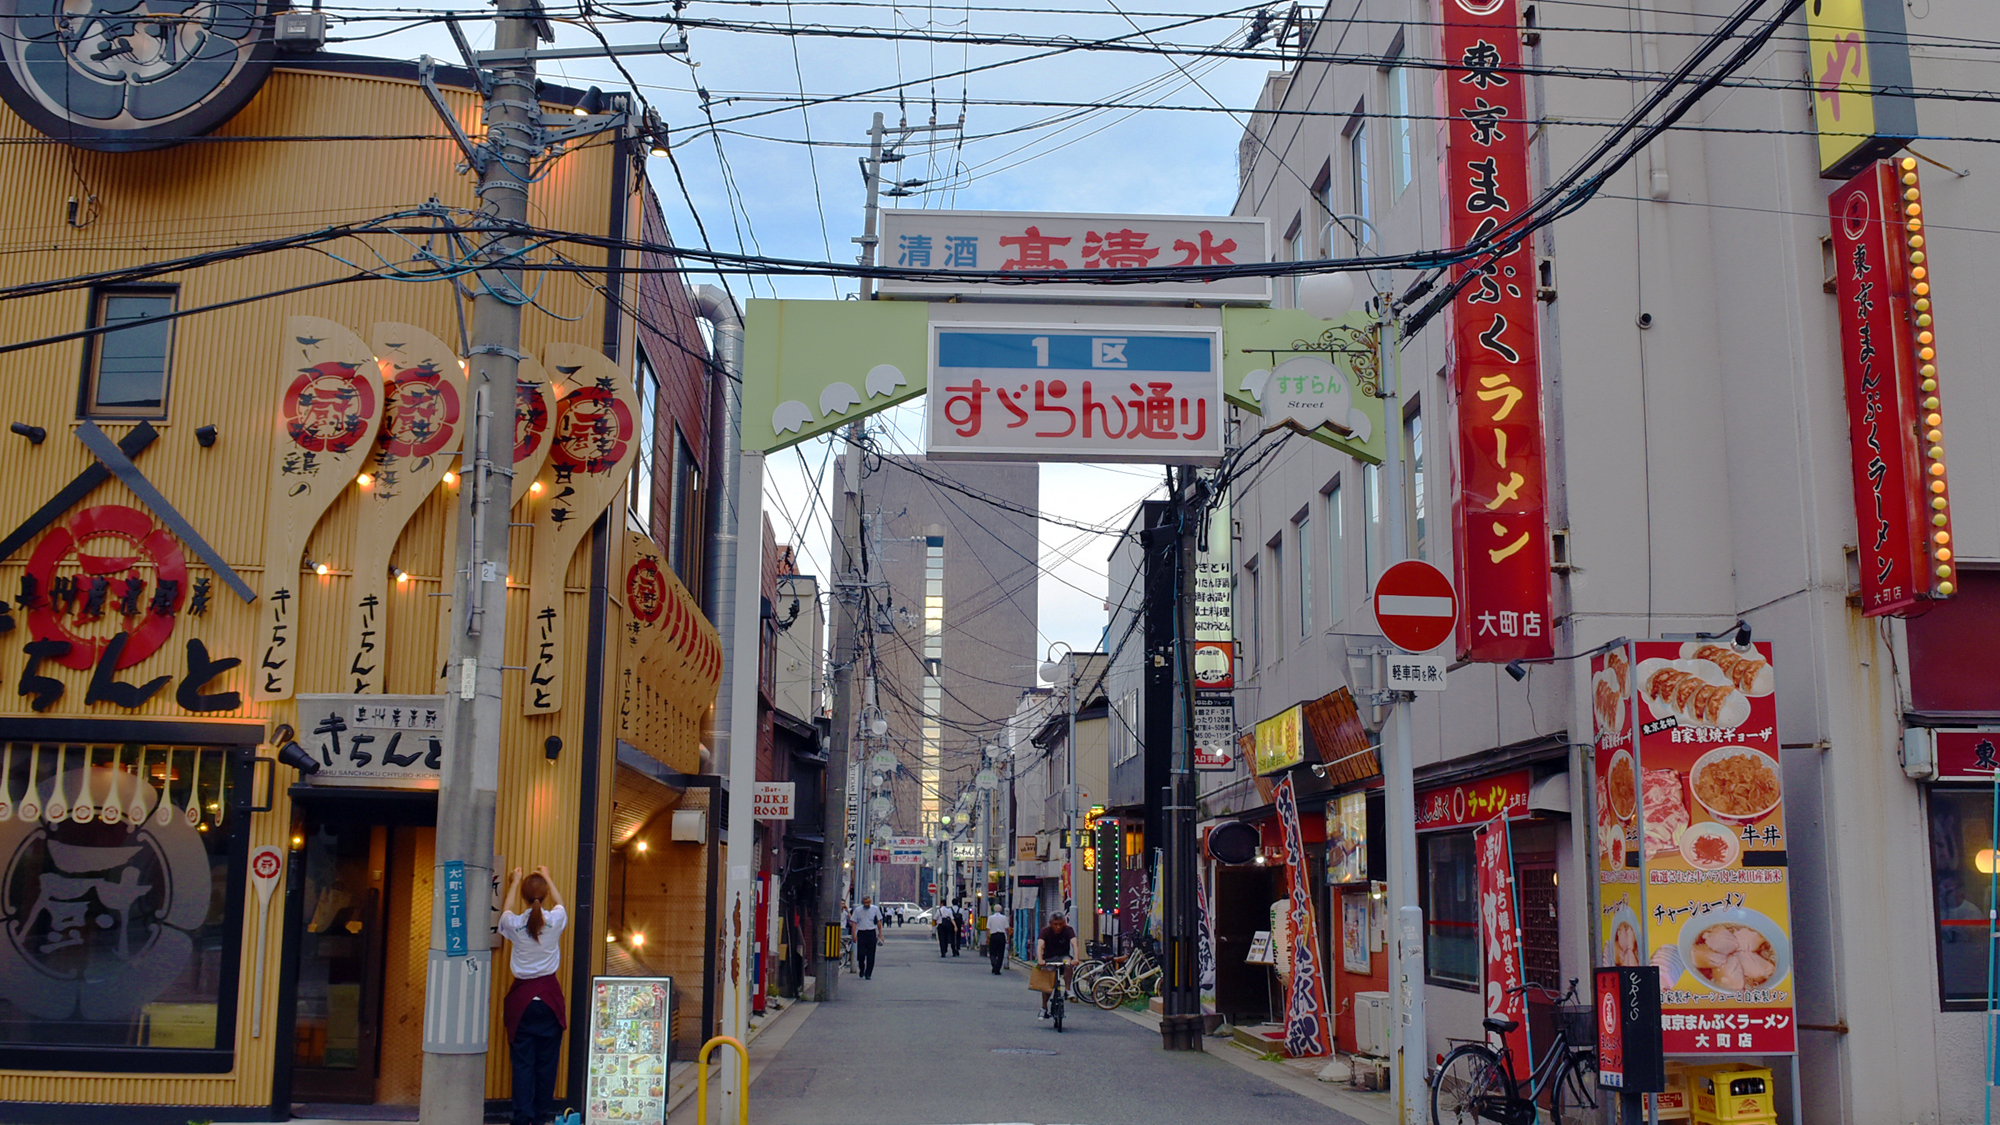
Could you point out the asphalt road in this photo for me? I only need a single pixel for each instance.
(932, 1041)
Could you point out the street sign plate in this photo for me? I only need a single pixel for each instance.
(1417, 672)
(1415, 606)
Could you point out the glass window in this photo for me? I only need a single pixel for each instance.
(1302, 536)
(1296, 245)
(639, 506)
(1324, 194)
(127, 372)
(1255, 618)
(1371, 518)
(1357, 171)
(1962, 859)
(1277, 564)
(1413, 444)
(1450, 892)
(1402, 138)
(1336, 547)
(685, 539)
(124, 913)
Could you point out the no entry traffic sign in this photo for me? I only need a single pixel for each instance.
(1415, 606)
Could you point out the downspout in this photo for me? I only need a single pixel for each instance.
(725, 436)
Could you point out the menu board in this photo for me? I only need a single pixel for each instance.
(630, 1040)
(1691, 839)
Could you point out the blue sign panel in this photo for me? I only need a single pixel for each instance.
(454, 908)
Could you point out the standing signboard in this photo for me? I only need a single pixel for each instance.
(1068, 392)
(1692, 847)
(1500, 939)
(630, 1043)
(1627, 1011)
(1500, 509)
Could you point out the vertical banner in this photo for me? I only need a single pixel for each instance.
(1500, 939)
(1308, 1023)
(1710, 830)
(329, 405)
(1204, 945)
(1888, 350)
(591, 447)
(1500, 507)
(423, 390)
(1621, 897)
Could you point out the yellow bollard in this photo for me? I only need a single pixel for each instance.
(701, 1078)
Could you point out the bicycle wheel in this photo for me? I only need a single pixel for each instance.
(1574, 1088)
(1468, 1083)
(1108, 993)
(1056, 1007)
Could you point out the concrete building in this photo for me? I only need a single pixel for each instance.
(1699, 474)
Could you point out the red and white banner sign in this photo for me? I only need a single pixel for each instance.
(1474, 802)
(1500, 507)
(1888, 356)
(1500, 939)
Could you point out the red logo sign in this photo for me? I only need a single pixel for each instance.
(531, 420)
(646, 591)
(1415, 606)
(1215, 665)
(1475, 802)
(328, 407)
(265, 864)
(423, 413)
(107, 570)
(592, 429)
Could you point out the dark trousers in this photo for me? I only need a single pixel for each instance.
(536, 1046)
(946, 935)
(864, 952)
(996, 950)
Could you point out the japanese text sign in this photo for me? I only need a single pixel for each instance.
(452, 878)
(772, 800)
(1281, 740)
(1215, 580)
(386, 741)
(1500, 506)
(1317, 376)
(1030, 243)
(1474, 802)
(1858, 57)
(1083, 394)
(1500, 938)
(1627, 1010)
(1901, 507)
(1214, 733)
(1424, 671)
(1691, 852)
(1967, 755)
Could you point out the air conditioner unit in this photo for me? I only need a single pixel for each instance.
(1372, 1023)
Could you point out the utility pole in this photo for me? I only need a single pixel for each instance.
(847, 602)
(1181, 1024)
(459, 984)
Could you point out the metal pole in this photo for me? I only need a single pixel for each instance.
(1398, 782)
(873, 174)
(1069, 796)
(458, 989)
(742, 772)
(833, 803)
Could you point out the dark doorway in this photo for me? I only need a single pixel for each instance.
(1243, 898)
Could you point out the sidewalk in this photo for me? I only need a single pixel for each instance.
(1296, 1075)
(779, 1024)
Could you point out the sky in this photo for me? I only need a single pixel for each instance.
(752, 183)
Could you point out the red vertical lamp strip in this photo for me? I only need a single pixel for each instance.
(1500, 508)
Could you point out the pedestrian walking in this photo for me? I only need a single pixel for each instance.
(997, 924)
(867, 922)
(534, 1012)
(946, 924)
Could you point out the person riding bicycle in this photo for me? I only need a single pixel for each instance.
(1056, 939)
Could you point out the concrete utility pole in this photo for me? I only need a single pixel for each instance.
(1181, 1024)
(833, 851)
(459, 985)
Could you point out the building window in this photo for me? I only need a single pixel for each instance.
(125, 369)
(1403, 132)
(1336, 560)
(1413, 484)
(1962, 859)
(1302, 536)
(122, 957)
(1371, 521)
(1323, 195)
(639, 505)
(1357, 172)
(1295, 245)
(1450, 892)
(1277, 564)
(685, 523)
(1254, 620)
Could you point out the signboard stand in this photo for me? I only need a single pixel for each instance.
(631, 1041)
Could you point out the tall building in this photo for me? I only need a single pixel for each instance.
(950, 633)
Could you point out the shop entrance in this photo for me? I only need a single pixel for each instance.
(360, 929)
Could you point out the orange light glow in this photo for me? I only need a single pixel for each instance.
(364, 480)
(1944, 554)
(536, 488)
(1922, 289)
(450, 478)
(322, 570)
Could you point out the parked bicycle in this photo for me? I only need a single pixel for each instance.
(1475, 1082)
(1138, 976)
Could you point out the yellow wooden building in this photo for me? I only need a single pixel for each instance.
(228, 537)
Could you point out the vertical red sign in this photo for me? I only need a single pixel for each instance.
(1500, 507)
(1500, 940)
(1888, 352)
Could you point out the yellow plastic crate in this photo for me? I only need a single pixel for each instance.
(1734, 1097)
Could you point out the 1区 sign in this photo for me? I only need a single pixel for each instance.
(1415, 606)
(772, 800)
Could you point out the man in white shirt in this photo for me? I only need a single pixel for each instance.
(945, 921)
(867, 922)
(996, 938)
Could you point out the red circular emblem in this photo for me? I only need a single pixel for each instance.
(264, 865)
(134, 561)
(531, 420)
(328, 406)
(422, 414)
(646, 591)
(592, 430)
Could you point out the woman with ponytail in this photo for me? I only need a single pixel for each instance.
(535, 1013)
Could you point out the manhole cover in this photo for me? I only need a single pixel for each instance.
(1021, 1051)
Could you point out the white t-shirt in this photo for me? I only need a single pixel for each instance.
(996, 923)
(867, 917)
(533, 957)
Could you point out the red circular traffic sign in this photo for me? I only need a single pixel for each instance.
(1415, 606)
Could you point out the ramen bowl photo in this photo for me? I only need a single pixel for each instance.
(1627, 941)
(1709, 846)
(1621, 783)
(1736, 783)
(1734, 950)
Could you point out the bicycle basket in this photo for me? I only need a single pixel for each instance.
(1579, 1024)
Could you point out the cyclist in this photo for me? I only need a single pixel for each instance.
(1056, 939)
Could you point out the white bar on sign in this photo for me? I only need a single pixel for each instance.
(1409, 605)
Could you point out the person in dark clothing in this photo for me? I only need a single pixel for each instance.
(867, 922)
(1055, 940)
(534, 1012)
(946, 922)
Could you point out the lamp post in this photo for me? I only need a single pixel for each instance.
(1065, 666)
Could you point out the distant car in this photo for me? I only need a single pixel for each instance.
(901, 911)
(923, 917)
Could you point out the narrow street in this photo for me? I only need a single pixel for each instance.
(932, 1041)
